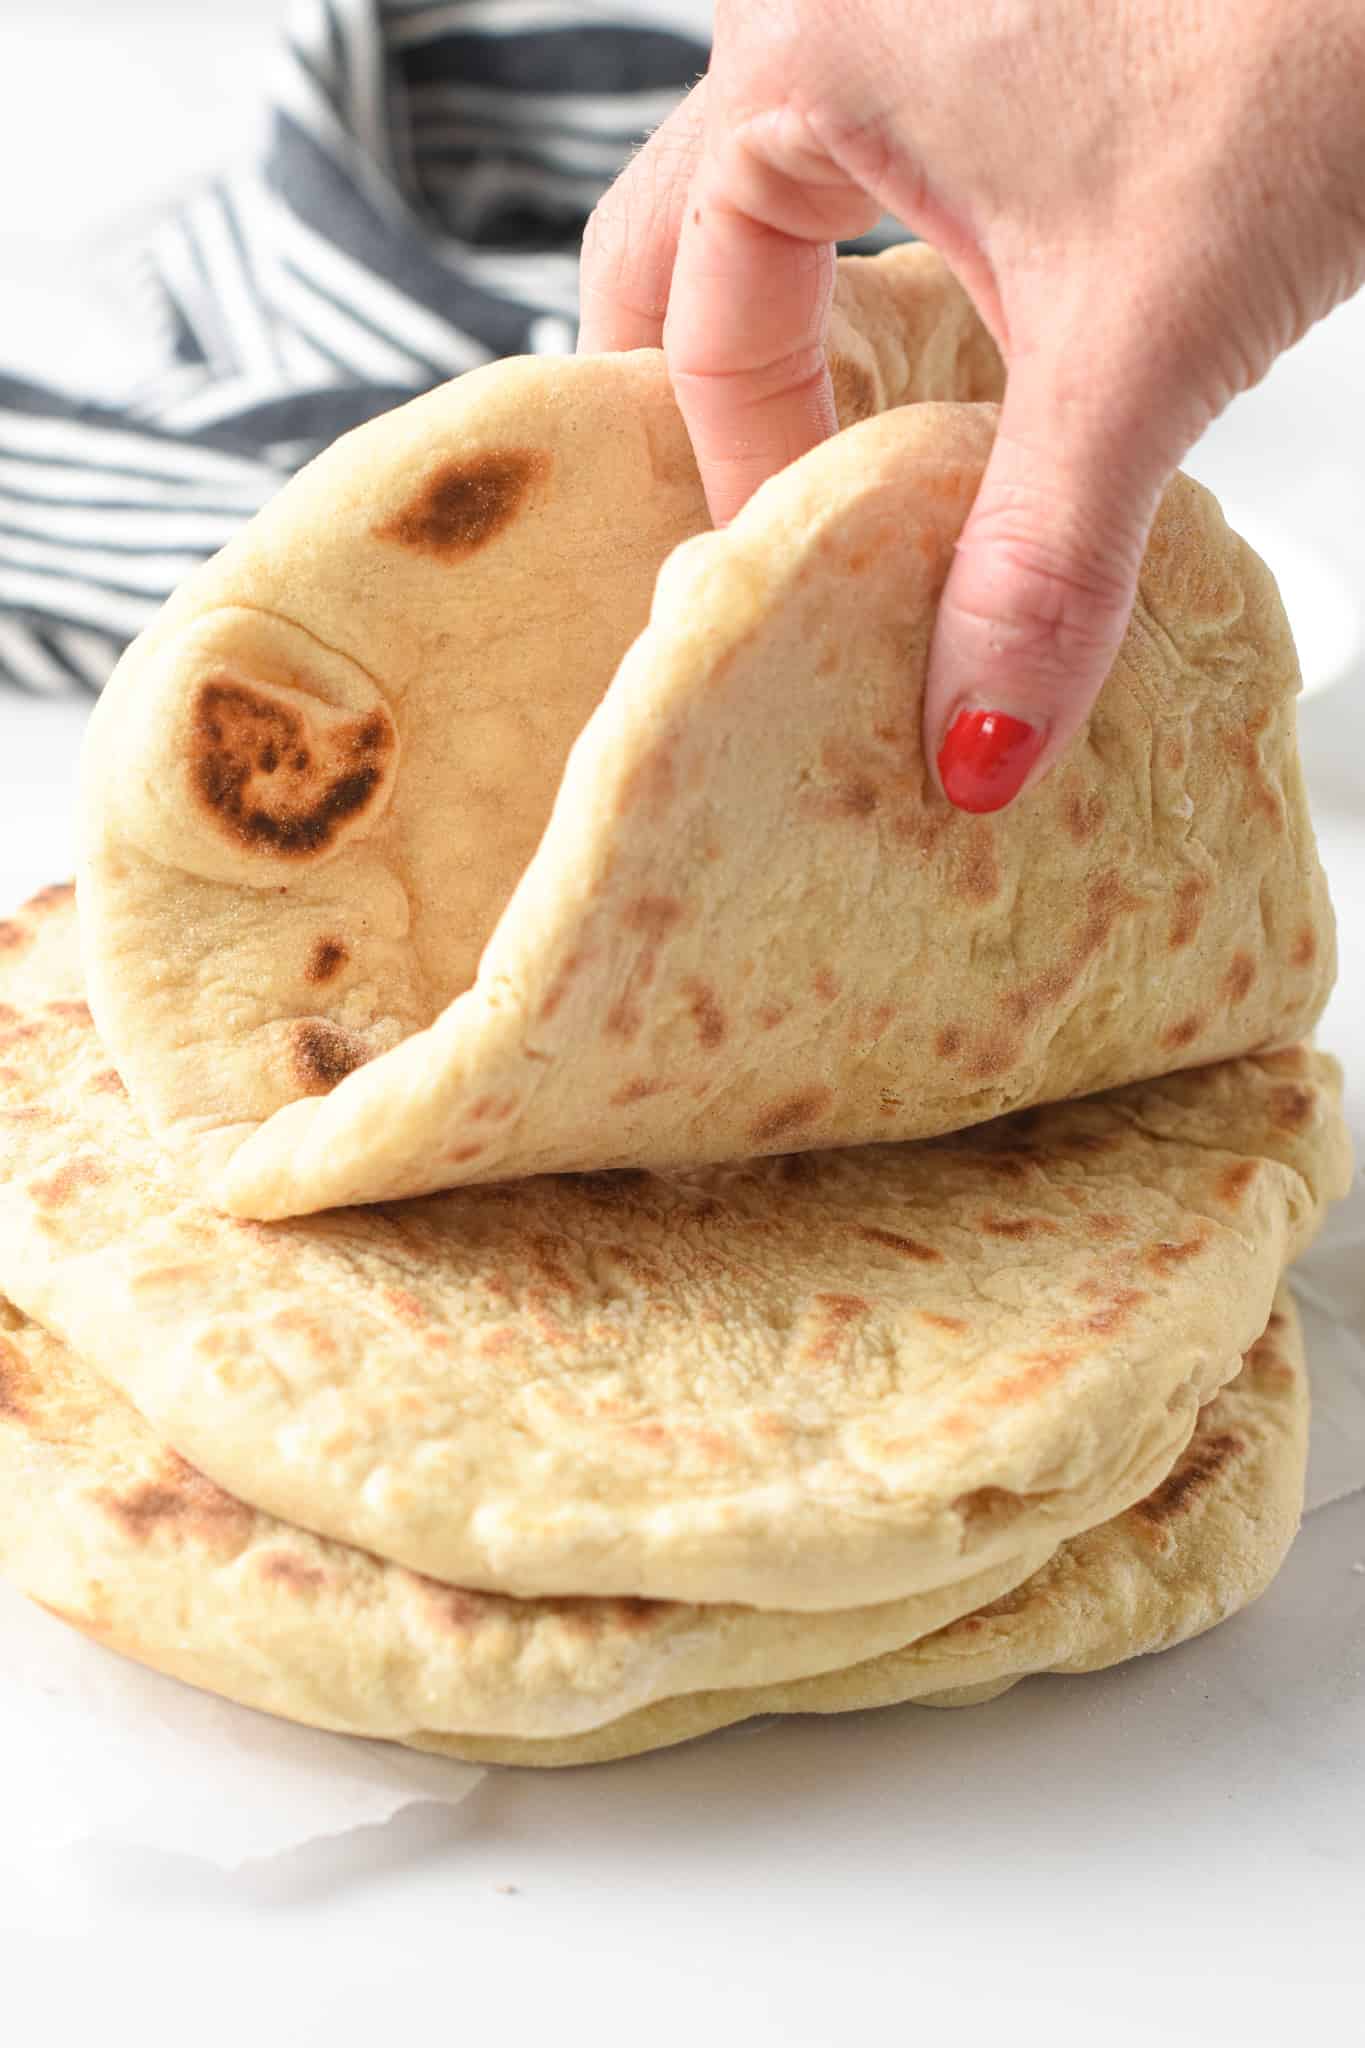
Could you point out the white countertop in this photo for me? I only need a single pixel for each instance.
(1172, 1851)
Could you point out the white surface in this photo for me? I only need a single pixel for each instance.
(1175, 1851)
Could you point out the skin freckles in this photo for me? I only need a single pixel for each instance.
(1138, 268)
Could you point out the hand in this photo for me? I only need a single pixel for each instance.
(1147, 201)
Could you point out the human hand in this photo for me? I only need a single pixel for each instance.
(1146, 199)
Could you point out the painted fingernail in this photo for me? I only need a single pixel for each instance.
(985, 758)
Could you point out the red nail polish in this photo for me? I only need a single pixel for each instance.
(985, 757)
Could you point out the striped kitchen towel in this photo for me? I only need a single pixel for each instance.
(418, 211)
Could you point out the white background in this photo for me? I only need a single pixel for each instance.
(1175, 1851)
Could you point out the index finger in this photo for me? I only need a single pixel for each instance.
(749, 305)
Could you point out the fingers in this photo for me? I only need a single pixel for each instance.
(1043, 581)
(632, 236)
(749, 306)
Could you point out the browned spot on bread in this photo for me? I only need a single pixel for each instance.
(1043, 1367)
(1245, 752)
(948, 1043)
(322, 1054)
(978, 870)
(11, 935)
(1234, 1180)
(452, 1607)
(638, 1090)
(990, 1504)
(953, 1326)
(405, 1305)
(1164, 1256)
(1304, 950)
(855, 390)
(254, 768)
(838, 1312)
(769, 1015)
(460, 1155)
(651, 782)
(1106, 1321)
(1008, 1166)
(563, 981)
(1109, 900)
(856, 797)
(13, 1383)
(625, 1018)
(1018, 1228)
(1239, 977)
(907, 1247)
(1292, 1108)
(1182, 1033)
(1265, 1362)
(825, 984)
(1082, 815)
(8, 1014)
(71, 1013)
(1191, 893)
(1102, 1224)
(497, 1342)
(327, 959)
(184, 1504)
(1203, 1461)
(655, 916)
(706, 1013)
(67, 1182)
(107, 1083)
(789, 1115)
(992, 1058)
(460, 506)
(1042, 992)
(52, 897)
(279, 1568)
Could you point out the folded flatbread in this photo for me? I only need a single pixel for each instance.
(746, 921)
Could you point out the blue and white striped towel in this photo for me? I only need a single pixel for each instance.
(430, 168)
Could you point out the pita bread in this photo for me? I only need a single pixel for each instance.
(103, 1526)
(378, 683)
(810, 1383)
(750, 923)
(100, 1522)
(1202, 1546)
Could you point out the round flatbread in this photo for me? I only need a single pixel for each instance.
(803, 1383)
(1197, 1550)
(129, 1544)
(312, 785)
(751, 922)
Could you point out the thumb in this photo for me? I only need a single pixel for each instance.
(1042, 584)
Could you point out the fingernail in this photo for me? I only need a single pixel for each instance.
(985, 758)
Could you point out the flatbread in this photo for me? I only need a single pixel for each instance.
(1197, 1550)
(809, 1383)
(312, 786)
(105, 1526)
(123, 1540)
(751, 923)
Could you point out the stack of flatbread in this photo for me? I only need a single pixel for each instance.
(556, 1196)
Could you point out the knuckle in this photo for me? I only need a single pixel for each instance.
(1045, 599)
